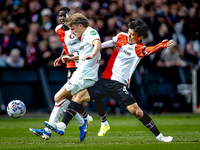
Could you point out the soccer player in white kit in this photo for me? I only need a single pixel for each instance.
(87, 72)
(71, 45)
(114, 82)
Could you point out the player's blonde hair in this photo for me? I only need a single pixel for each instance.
(76, 19)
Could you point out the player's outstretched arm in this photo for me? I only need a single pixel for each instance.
(153, 49)
(109, 43)
(58, 61)
(97, 48)
(69, 57)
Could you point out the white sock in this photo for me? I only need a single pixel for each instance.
(63, 125)
(88, 117)
(56, 114)
(58, 110)
(47, 130)
(104, 123)
(79, 119)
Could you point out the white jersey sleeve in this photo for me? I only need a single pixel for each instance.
(91, 36)
(109, 43)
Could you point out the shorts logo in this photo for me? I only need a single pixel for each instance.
(125, 90)
(69, 82)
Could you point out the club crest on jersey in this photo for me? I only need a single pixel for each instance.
(93, 33)
(71, 36)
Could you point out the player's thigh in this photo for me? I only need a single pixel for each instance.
(120, 93)
(81, 96)
(62, 94)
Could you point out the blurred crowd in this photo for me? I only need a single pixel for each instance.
(28, 38)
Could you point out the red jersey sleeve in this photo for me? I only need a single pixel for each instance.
(141, 50)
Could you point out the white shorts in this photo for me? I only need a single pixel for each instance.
(78, 84)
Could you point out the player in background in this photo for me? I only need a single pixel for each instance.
(114, 82)
(71, 45)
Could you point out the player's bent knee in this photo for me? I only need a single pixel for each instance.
(139, 113)
(135, 111)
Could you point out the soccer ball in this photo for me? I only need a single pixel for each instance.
(16, 109)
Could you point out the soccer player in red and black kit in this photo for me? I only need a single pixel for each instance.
(71, 45)
(114, 82)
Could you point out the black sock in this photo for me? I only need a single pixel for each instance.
(81, 109)
(70, 112)
(84, 114)
(103, 118)
(100, 108)
(147, 122)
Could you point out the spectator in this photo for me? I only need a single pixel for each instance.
(151, 19)
(3, 63)
(48, 23)
(148, 38)
(14, 60)
(34, 27)
(30, 51)
(191, 25)
(111, 25)
(50, 4)
(100, 24)
(7, 40)
(172, 65)
(21, 18)
(190, 54)
(178, 35)
(4, 17)
(173, 14)
(163, 33)
(55, 49)
(34, 7)
(170, 58)
(44, 52)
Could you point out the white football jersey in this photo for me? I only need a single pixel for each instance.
(70, 42)
(125, 57)
(88, 69)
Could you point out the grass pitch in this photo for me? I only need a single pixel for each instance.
(125, 133)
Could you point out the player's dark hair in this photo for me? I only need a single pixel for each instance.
(64, 9)
(138, 26)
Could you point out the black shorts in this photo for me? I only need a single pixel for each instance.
(110, 88)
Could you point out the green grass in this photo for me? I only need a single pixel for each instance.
(125, 133)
